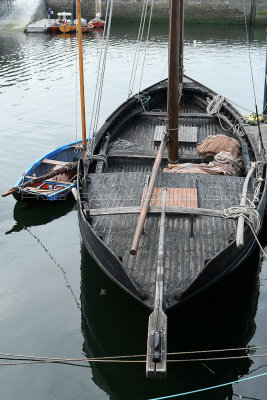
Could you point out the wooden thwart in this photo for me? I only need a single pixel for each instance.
(205, 212)
(54, 162)
(187, 134)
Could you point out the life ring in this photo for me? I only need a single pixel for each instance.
(90, 26)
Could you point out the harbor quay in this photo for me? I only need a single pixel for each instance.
(216, 11)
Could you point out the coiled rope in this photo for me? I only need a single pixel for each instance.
(249, 212)
(213, 108)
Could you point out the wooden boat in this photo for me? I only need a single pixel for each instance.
(52, 177)
(178, 220)
(62, 17)
(66, 28)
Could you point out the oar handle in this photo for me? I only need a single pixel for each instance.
(12, 190)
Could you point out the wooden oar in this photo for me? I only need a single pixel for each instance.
(156, 360)
(144, 209)
(67, 168)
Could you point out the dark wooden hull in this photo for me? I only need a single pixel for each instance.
(195, 263)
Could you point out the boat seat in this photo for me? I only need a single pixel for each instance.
(187, 134)
(54, 162)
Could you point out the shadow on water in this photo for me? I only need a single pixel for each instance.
(115, 324)
(26, 216)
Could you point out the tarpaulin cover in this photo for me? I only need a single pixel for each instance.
(224, 164)
(213, 145)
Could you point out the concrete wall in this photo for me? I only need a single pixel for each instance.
(39, 12)
(217, 10)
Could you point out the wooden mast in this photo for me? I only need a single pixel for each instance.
(175, 31)
(81, 75)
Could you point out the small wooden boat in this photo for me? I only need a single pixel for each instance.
(52, 177)
(66, 28)
(165, 226)
(97, 23)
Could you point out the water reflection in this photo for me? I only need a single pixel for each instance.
(114, 324)
(28, 216)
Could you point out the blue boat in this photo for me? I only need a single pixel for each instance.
(58, 187)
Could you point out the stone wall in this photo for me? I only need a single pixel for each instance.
(217, 10)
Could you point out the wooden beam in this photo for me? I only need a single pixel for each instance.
(181, 114)
(241, 220)
(54, 162)
(150, 155)
(205, 212)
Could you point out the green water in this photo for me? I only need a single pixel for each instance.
(54, 300)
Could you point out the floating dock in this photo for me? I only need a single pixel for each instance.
(40, 26)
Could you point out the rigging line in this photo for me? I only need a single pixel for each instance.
(250, 61)
(112, 358)
(98, 70)
(138, 47)
(260, 141)
(147, 37)
(210, 387)
(116, 361)
(103, 66)
(64, 273)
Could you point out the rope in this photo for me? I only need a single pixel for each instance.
(126, 358)
(138, 46)
(121, 144)
(213, 108)
(251, 217)
(210, 387)
(101, 70)
(98, 157)
(64, 273)
(147, 37)
(249, 212)
(260, 141)
(144, 99)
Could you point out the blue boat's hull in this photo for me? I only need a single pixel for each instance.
(49, 190)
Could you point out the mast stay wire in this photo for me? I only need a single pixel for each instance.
(100, 73)
(147, 38)
(103, 67)
(260, 141)
(138, 47)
